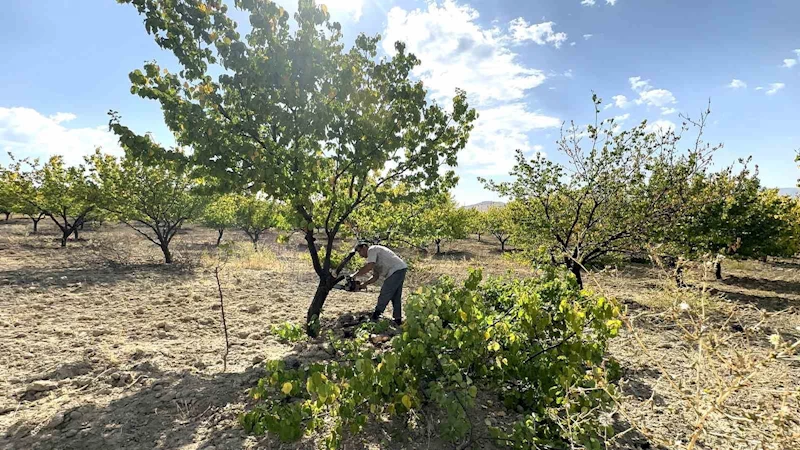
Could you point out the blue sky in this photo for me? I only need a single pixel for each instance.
(526, 65)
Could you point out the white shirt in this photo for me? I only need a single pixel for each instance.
(386, 261)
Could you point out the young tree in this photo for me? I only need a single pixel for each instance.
(8, 199)
(295, 115)
(476, 222)
(64, 194)
(441, 220)
(499, 222)
(153, 199)
(615, 192)
(256, 215)
(220, 214)
(732, 215)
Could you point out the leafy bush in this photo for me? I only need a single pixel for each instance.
(288, 332)
(538, 344)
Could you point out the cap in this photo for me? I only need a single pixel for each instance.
(361, 243)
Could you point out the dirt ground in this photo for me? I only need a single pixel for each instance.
(104, 347)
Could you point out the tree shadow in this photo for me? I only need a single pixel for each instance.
(170, 410)
(792, 264)
(71, 277)
(454, 255)
(629, 438)
(761, 284)
(769, 303)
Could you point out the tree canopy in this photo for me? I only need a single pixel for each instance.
(295, 115)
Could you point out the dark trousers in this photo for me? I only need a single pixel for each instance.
(392, 289)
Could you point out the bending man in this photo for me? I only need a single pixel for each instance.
(385, 264)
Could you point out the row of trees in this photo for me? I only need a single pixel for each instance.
(154, 199)
(635, 191)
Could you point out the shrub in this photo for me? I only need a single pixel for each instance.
(539, 344)
(288, 332)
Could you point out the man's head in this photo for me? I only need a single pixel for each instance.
(361, 248)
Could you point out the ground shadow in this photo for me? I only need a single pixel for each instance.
(454, 255)
(172, 411)
(96, 274)
(629, 438)
(792, 264)
(761, 284)
(769, 303)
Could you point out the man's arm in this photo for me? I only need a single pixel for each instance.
(368, 267)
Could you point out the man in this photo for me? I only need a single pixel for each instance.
(383, 263)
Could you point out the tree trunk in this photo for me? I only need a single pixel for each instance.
(718, 270)
(575, 268)
(81, 227)
(64, 235)
(75, 232)
(219, 237)
(35, 225)
(438, 249)
(8, 214)
(315, 310)
(679, 277)
(167, 254)
(502, 246)
(479, 237)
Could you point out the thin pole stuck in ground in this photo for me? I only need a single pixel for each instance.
(224, 324)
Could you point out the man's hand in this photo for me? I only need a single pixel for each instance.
(365, 270)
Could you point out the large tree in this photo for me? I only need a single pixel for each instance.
(154, 199)
(616, 190)
(289, 112)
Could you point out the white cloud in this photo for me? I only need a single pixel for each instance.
(789, 63)
(650, 96)
(774, 88)
(27, 133)
(668, 111)
(797, 51)
(587, 2)
(572, 44)
(457, 52)
(737, 84)
(622, 118)
(587, 36)
(568, 73)
(660, 126)
(620, 101)
(611, 2)
(760, 88)
(346, 8)
(498, 133)
(540, 33)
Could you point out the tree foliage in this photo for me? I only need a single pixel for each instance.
(538, 344)
(499, 222)
(220, 214)
(440, 220)
(476, 222)
(63, 193)
(616, 191)
(295, 115)
(255, 215)
(733, 215)
(154, 199)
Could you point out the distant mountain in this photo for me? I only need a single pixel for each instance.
(792, 192)
(483, 206)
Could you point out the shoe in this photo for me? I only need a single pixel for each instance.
(375, 317)
(398, 322)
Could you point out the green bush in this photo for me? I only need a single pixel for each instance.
(288, 332)
(537, 344)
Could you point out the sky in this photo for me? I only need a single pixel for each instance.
(527, 67)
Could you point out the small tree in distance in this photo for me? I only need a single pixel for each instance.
(499, 222)
(476, 222)
(153, 199)
(64, 194)
(256, 215)
(220, 214)
(441, 219)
